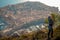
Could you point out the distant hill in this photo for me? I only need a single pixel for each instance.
(31, 5)
(14, 16)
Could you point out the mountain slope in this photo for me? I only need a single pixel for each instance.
(17, 15)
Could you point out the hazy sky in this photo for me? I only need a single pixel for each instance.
(47, 2)
(55, 3)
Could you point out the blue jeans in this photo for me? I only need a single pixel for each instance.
(50, 33)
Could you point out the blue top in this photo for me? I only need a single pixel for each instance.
(50, 21)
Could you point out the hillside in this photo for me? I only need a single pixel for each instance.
(13, 17)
